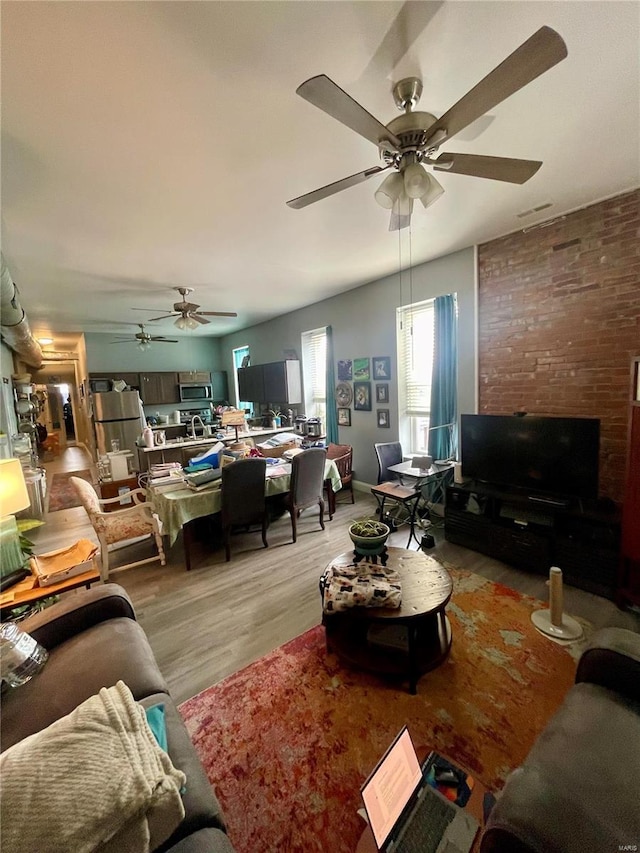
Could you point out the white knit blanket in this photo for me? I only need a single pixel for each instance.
(95, 780)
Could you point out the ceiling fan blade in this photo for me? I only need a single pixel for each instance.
(147, 309)
(163, 340)
(538, 54)
(336, 187)
(217, 313)
(199, 318)
(164, 317)
(497, 168)
(323, 93)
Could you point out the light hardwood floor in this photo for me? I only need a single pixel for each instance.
(205, 624)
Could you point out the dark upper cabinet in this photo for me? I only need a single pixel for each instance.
(158, 388)
(219, 386)
(251, 383)
(276, 382)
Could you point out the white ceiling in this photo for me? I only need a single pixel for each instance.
(152, 144)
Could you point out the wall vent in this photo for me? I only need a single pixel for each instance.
(534, 210)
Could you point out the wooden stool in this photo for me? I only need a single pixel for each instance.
(404, 495)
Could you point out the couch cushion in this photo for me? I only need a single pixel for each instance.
(200, 803)
(576, 790)
(77, 669)
(204, 841)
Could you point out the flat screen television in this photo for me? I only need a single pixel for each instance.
(544, 456)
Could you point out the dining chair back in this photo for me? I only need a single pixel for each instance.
(119, 527)
(307, 483)
(243, 498)
(342, 455)
(388, 453)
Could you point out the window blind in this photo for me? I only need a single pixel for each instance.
(415, 335)
(314, 356)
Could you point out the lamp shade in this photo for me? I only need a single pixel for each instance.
(389, 190)
(416, 180)
(433, 193)
(13, 489)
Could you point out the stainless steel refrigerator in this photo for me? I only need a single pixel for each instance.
(118, 415)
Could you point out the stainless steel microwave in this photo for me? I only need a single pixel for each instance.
(99, 386)
(199, 391)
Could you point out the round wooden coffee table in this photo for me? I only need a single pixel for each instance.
(406, 641)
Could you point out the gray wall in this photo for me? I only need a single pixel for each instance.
(364, 324)
(8, 420)
(190, 353)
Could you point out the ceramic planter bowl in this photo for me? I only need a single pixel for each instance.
(369, 536)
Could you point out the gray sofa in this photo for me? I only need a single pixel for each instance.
(578, 789)
(94, 641)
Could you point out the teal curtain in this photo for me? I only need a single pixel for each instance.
(332, 412)
(444, 384)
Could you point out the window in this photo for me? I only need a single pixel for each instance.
(314, 371)
(415, 363)
(240, 355)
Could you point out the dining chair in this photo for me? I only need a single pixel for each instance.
(342, 455)
(307, 484)
(243, 498)
(120, 526)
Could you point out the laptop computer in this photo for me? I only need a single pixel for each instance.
(406, 813)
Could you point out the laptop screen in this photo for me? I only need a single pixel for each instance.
(389, 788)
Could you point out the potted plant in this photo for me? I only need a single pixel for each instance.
(369, 535)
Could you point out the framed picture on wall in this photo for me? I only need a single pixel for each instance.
(345, 370)
(383, 418)
(362, 396)
(381, 367)
(382, 393)
(361, 369)
(344, 417)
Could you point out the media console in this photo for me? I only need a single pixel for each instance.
(535, 533)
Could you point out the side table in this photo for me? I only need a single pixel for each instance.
(114, 488)
(406, 641)
(22, 595)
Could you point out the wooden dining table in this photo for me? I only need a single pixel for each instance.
(180, 506)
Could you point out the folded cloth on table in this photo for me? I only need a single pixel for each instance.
(359, 585)
(93, 780)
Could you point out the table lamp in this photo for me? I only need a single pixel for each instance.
(13, 498)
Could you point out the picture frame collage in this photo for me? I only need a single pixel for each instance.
(355, 378)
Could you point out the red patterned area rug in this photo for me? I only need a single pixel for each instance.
(62, 495)
(288, 741)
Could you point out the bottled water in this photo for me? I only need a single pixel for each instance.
(21, 657)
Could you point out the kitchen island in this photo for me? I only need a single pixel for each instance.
(182, 449)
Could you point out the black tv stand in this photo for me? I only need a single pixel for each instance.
(534, 532)
(557, 503)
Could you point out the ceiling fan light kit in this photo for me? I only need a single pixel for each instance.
(411, 140)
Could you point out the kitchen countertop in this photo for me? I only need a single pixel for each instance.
(229, 437)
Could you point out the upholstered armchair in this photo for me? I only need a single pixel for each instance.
(119, 527)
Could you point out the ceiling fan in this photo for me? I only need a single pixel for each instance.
(144, 339)
(411, 141)
(187, 312)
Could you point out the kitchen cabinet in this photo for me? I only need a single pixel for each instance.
(159, 388)
(275, 382)
(186, 376)
(282, 382)
(132, 379)
(219, 386)
(251, 383)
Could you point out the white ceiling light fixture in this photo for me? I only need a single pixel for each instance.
(416, 180)
(434, 191)
(45, 341)
(186, 323)
(389, 190)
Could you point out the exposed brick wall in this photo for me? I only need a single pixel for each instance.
(559, 320)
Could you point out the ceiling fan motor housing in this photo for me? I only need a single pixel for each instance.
(411, 129)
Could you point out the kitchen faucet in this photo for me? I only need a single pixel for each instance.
(193, 425)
